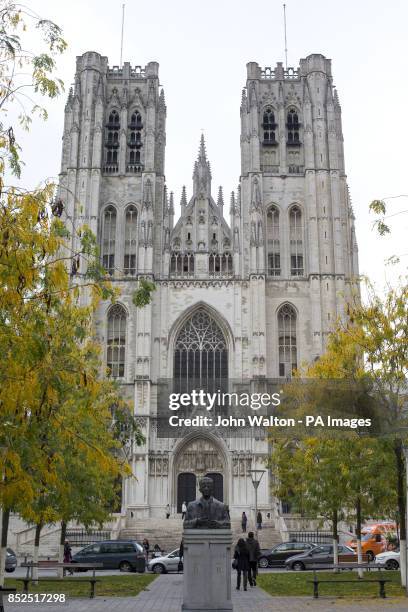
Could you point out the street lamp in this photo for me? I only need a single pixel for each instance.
(256, 477)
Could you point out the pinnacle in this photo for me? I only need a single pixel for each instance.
(232, 206)
(220, 201)
(202, 153)
(171, 203)
(183, 201)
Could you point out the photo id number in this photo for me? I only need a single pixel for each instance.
(36, 598)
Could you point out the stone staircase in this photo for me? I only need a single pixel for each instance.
(167, 533)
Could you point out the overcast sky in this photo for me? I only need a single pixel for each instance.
(203, 47)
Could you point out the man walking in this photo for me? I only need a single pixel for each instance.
(254, 554)
(183, 510)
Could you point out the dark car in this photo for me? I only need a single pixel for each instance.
(125, 555)
(278, 554)
(11, 560)
(320, 556)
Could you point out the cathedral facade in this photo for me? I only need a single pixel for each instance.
(249, 300)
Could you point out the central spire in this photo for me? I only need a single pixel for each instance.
(202, 173)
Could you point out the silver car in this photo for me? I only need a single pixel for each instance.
(166, 563)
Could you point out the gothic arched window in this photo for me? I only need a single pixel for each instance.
(269, 126)
(129, 262)
(112, 141)
(287, 340)
(296, 241)
(109, 239)
(200, 355)
(293, 126)
(273, 241)
(116, 341)
(182, 264)
(135, 143)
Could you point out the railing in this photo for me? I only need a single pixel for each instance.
(134, 168)
(270, 169)
(271, 73)
(296, 169)
(111, 168)
(81, 537)
(136, 73)
(315, 537)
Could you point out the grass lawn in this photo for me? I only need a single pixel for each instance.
(296, 583)
(128, 585)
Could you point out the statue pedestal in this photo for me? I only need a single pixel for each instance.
(207, 570)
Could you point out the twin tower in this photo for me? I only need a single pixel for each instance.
(291, 222)
(249, 300)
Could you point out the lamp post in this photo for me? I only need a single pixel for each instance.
(256, 477)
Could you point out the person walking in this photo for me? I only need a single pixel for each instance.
(68, 556)
(259, 520)
(254, 554)
(146, 547)
(244, 520)
(241, 557)
(168, 511)
(183, 510)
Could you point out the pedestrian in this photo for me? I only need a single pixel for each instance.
(241, 558)
(68, 556)
(157, 551)
(146, 547)
(183, 510)
(168, 511)
(254, 554)
(259, 520)
(180, 565)
(244, 520)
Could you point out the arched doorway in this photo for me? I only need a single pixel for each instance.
(199, 457)
(186, 488)
(218, 485)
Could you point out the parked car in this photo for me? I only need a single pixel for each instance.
(317, 557)
(166, 563)
(278, 554)
(372, 543)
(11, 560)
(391, 558)
(126, 555)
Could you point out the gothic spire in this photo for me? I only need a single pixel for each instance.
(220, 201)
(232, 205)
(183, 201)
(202, 172)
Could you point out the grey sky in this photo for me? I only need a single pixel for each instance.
(202, 49)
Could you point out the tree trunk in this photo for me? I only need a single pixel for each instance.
(38, 528)
(358, 536)
(335, 539)
(61, 548)
(3, 544)
(400, 467)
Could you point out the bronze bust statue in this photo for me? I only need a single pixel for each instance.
(207, 512)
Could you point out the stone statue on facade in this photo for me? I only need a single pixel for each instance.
(207, 512)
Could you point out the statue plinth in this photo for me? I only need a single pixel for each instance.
(207, 570)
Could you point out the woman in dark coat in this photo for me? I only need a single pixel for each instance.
(244, 520)
(241, 556)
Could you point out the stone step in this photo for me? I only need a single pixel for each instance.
(167, 533)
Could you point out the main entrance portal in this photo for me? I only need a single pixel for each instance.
(199, 458)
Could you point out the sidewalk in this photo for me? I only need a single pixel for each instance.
(165, 595)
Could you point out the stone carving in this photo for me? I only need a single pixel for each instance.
(207, 512)
(201, 456)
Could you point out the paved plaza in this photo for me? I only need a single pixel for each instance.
(165, 595)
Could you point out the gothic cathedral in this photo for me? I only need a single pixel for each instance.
(246, 301)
